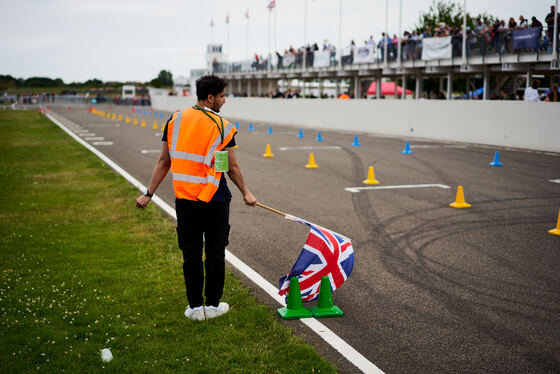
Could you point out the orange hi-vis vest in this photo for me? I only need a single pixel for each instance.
(192, 138)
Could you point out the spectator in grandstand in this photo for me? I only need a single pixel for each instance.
(536, 23)
(427, 33)
(553, 95)
(479, 26)
(381, 45)
(531, 92)
(512, 25)
(550, 22)
(523, 22)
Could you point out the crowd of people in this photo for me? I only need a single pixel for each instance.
(488, 36)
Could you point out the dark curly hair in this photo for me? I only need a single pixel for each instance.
(209, 85)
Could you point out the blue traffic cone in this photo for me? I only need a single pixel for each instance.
(161, 115)
(251, 128)
(236, 124)
(356, 143)
(406, 150)
(144, 112)
(496, 161)
(149, 113)
(270, 131)
(300, 133)
(319, 137)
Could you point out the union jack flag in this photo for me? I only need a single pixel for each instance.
(325, 253)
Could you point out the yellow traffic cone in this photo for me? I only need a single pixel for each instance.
(143, 124)
(127, 119)
(312, 164)
(135, 121)
(114, 116)
(267, 152)
(119, 117)
(155, 126)
(370, 177)
(108, 115)
(556, 231)
(460, 200)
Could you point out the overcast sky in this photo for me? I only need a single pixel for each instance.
(134, 39)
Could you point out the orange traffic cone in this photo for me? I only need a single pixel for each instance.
(143, 124)
(127, 119)
(311, 164)
(460, 200)
(267, 152)
(371, 177)
(155, 126)
(556, 231)
(135, 121)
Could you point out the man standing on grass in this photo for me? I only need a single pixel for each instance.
(198, 147)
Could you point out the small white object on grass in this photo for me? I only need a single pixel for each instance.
(106, 355)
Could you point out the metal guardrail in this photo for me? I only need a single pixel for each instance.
(480, 45)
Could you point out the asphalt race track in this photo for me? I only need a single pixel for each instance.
(434, 289)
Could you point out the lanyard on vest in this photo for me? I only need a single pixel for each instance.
(220, 129)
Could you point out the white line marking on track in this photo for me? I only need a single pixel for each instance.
(358, 189)
(158, 134)
(309, 147)
(87, 134)
(81, 131)
(323, 331)
(102, 143)
(554, 180)
(94, 138)
(146, 151)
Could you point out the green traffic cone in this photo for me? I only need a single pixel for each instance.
(294, 309)
(325, 307)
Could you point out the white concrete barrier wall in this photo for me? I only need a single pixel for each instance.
(502, 123)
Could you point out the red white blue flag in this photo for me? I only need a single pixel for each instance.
(325, 253)
(271, 5)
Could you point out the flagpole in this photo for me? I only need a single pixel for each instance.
(305, 35)
(271, 209)
(268, 60)
(247, 41)
(228, 46)
(340, 34)
(386, 42)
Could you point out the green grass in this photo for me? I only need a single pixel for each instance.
(82, 269)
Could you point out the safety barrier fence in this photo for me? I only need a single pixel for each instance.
(492, 44)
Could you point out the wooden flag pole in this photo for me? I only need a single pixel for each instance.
(271, 209)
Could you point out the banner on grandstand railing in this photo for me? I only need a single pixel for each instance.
(526, 38)
(288, 60)
(436, 48)
(321, 59)
(365, 54)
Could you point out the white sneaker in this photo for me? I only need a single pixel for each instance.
(213, 311)
(196, 314)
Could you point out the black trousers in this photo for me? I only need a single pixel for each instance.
(195, 219)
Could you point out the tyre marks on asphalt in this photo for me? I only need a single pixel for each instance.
(402, 256)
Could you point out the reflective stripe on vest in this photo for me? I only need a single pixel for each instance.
(194, 176)
(194, 179)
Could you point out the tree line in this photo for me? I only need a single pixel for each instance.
(164, 79)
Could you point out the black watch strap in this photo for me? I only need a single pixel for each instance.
(148, 193)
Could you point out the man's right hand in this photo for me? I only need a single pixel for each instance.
(142, 201)
(250, 199)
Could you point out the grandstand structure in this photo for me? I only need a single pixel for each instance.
(495, 66)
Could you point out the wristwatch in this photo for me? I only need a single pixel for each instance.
(148, 193)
